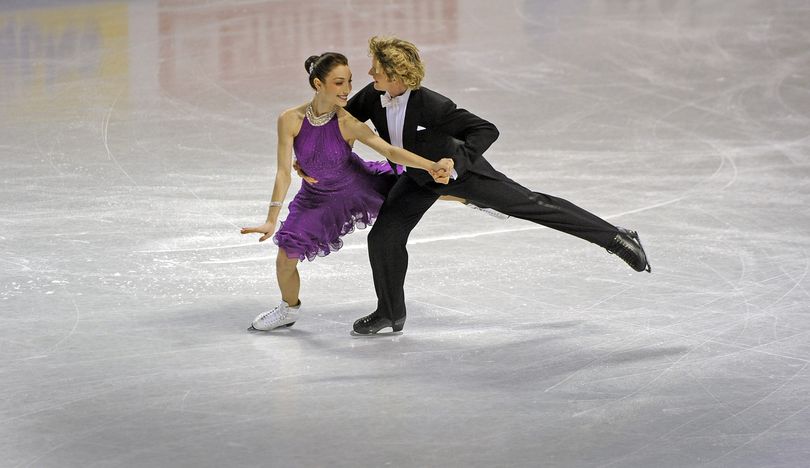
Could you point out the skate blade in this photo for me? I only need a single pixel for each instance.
(252, 329)
(648, 268)
(380, 333)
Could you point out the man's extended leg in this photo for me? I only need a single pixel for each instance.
(507, 196)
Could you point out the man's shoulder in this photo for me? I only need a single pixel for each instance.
(430, 98)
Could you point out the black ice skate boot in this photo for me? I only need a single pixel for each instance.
(373, 323)
(627, 246)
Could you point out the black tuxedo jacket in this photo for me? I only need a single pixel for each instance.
(448, 130)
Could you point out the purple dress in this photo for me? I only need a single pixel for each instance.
(348, 194)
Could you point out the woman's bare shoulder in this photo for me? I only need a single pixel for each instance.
(347, 119)
(294, 113)
(292, 118)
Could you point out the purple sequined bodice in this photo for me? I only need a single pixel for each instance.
(348, 194)
(322, 152)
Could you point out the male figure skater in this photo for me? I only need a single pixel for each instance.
(429, 124)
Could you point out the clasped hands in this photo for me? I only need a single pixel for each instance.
(442, 170)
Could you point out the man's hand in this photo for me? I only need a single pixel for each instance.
(303, 174)
(442, 170)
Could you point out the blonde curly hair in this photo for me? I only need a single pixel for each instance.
(398, 59)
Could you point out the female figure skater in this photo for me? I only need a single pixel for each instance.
(349, 191)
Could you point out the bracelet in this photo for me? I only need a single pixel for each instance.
(275, 203)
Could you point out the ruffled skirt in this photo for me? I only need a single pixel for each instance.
(321, 214)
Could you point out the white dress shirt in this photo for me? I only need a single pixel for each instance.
(395, 115)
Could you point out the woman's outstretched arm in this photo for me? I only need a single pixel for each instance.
(286, 134)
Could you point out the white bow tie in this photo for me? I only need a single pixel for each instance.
(387, 100)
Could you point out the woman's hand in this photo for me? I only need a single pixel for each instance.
(442, 170)
(267, 229)
(303, 174)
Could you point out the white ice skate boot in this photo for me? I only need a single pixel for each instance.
(280, 316)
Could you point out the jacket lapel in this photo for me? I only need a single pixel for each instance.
(412, 116)
(380, 120)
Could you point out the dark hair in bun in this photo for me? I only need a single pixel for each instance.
(318, 66)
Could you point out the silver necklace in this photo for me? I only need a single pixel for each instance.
(319, 120)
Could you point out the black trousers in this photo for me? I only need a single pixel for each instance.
(408, 201)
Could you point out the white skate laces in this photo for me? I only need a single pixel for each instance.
(281, 315)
